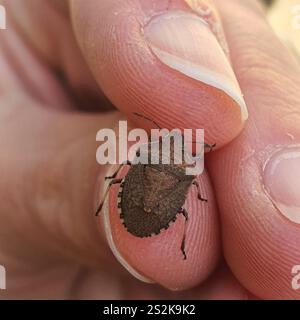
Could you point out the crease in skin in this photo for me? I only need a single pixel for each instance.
(290, 136)
(246, 158)
(112, 245)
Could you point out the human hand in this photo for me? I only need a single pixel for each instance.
(50, 242)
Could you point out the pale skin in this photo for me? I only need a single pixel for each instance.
(51, 243)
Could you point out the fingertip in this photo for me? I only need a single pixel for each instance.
(260, 242)
(159, 258)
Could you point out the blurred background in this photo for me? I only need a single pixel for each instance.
(284, 16)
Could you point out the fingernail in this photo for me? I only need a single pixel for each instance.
(282, 182)
(184, 41)
(113, 247)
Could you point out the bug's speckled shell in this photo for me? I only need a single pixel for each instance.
(163, 188)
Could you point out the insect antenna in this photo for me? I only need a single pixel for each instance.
(114, 181)
(148, 119)
(206, 145)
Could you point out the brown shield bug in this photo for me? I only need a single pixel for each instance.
(152, 195)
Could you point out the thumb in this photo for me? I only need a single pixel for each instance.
(55, 191)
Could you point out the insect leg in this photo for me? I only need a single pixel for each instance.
(195, 183)
(206, 145)
(185, 214)
(114, 181)
(210, 146)
(146, 118)
(118, 170)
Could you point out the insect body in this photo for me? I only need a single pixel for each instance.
(152, 195)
